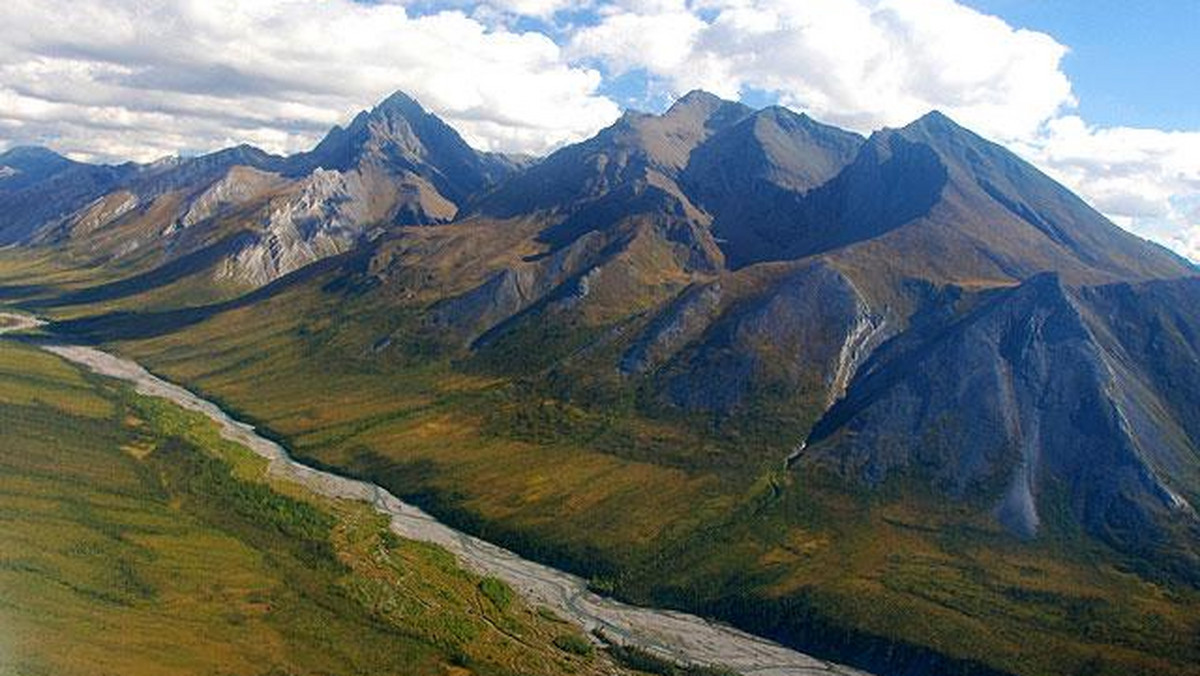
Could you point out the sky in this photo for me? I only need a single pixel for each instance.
(1097, 93)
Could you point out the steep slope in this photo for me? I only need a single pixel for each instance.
(802, 338)
(402, 138)
(753, 177)
(603, 228)
(935, 201)
(1019, 400)
(628, 172)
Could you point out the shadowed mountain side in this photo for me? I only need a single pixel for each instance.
(892, 182)
(126, 326)
(633, 151)
(53, 198)
(934, 200)
(631, 169)
(23, 166)
(178, 269)
(1155, 326)
(752, 176)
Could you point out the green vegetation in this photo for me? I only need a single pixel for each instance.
(496, 591)
(575, 644)
(136, 541)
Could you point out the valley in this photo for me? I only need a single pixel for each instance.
(900, 402)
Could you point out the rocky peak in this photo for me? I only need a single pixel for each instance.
(704, 109)
(399, 137)
(400, 104)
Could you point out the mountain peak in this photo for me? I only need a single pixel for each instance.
(698, 97)
(25, 154)
(935, 117)
(399, 102)
(709, 109)
(936, 124)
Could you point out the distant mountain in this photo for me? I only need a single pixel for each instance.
(39, 188)
(413, 146)
(26, 165)
(394, 165)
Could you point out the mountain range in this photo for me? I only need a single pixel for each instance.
(739, 341)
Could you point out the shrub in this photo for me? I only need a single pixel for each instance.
(574, 644)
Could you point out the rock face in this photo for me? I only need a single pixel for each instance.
(396, 165)
(401, 138)
(805, 335)
(1017, 398)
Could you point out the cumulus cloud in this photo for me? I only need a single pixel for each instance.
(139, 80)
(1147, 180)
(858, 63)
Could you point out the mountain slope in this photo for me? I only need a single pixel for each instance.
(392, 166)
(753, 177)
(958, 208)
(1017, 399)
(39, 188)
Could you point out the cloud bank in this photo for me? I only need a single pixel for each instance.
(152, 77)
(145, 78)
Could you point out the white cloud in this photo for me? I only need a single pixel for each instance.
(1146, 180)
(538, 8)
(139, 80)
(859, 63)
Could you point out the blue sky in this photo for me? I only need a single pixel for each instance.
(1098, 94)
(1131, 63)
